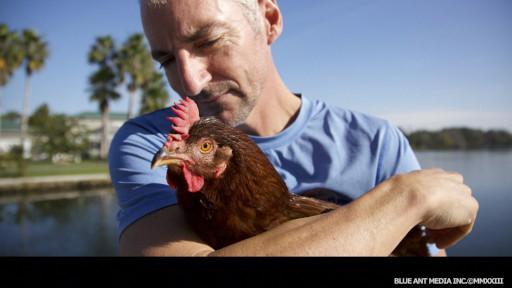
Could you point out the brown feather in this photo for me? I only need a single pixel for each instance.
(250, 197)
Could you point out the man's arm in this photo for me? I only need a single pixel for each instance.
(162, 233)
(371, 225)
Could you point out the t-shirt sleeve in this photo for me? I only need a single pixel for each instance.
(396, 155)
(140, 190)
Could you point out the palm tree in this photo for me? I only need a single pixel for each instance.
(11, 53)
(154, 95)
(104, 83)
(35, 54)
(11, 57)
(135, 60)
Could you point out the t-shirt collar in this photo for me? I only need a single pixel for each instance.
(289, 133)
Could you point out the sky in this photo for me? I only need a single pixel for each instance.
(419, 64)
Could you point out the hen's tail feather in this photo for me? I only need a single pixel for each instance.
(301, 206)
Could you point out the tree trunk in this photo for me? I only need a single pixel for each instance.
(105, 123)
(131, 104)
(24, 119)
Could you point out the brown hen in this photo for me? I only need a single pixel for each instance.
(229, 190)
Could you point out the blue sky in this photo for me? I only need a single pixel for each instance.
(420, 64)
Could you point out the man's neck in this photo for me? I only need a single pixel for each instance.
(275, 110)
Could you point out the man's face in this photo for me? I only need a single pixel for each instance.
(211, 53)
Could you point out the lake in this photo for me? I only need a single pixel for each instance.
(489, 174)
(84, 224)
(60, 224)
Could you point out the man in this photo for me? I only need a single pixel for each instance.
(218, 53)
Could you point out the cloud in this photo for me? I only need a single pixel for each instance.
(443, 118)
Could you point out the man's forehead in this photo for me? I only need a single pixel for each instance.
(181, 5)
(186, 21)
(186, 16)
(153, 2)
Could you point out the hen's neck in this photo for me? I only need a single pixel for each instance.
(249, 178)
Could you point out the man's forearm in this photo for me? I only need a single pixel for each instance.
(372, 225)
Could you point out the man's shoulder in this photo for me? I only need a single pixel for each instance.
(367, 137)
(141, 134)
(145, 126)
(155, 120)
(348, 120)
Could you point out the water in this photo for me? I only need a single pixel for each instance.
(60, 224)
(489, 174)
(84, 224)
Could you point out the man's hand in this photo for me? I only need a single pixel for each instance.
(450, 209)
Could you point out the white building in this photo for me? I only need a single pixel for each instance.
(10, 131)
(10, 135)
(92, 122)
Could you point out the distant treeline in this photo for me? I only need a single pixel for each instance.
(460, 139)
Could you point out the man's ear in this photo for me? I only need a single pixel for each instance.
(272, 18)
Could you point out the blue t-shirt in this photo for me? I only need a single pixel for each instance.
(328, 152)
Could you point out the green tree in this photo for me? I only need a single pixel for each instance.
(40, 116)
(11, 53)
(462, 138)
(135, 61)
(154, 95)
(12, 116)
(103, 83)
(11, 56)
(56, 133)
(35, 53)
(498, 139)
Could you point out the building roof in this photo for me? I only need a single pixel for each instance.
(12, 126)
(97, 115)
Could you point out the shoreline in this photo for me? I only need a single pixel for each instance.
(24, 185)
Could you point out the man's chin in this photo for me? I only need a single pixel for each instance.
(227, 118)
(231, 118)
(232, 113)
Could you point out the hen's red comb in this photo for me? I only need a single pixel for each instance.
(187, 114)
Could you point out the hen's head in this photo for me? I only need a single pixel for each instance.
(197, 151)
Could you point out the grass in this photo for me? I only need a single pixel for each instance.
(35, 169)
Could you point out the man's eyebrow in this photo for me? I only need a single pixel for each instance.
(205, 31)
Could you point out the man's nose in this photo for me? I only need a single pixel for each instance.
(193, 72)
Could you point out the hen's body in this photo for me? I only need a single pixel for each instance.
(250, 197)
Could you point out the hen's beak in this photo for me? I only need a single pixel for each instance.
(165, 157)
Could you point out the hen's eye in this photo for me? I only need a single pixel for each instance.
(205, 147)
